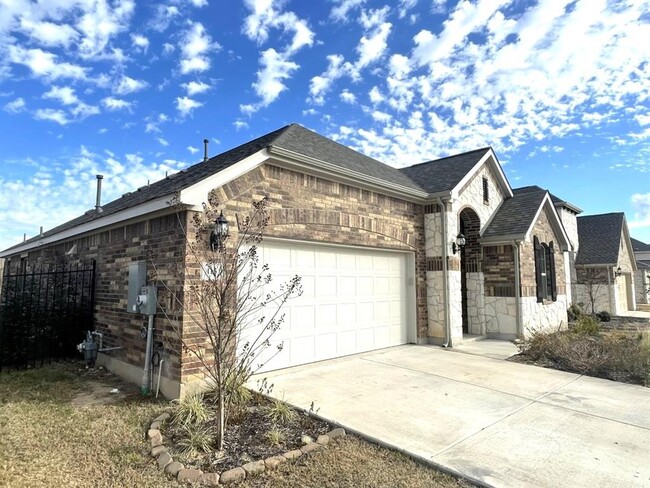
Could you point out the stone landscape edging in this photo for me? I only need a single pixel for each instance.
(190, 475)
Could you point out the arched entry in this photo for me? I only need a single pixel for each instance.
(470, 254)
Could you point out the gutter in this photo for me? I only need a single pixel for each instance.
(445, 273)
(330, 169)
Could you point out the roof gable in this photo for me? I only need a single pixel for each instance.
(557, 201)
(517, 216)
(449, 175)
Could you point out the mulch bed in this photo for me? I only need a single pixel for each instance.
(246, 441)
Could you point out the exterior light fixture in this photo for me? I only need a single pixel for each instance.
(618, 272)
(459, 243)
(219, 233)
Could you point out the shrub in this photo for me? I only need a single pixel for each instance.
(280, 413)
(604, 316)
(275, 437)
(586, 325)
(195, 440)
(190, 410)
(574, 312)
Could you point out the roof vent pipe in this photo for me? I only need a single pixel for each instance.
(205, 149)
(98, 203)
(41, 231)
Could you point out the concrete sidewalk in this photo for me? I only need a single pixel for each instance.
(496, 422)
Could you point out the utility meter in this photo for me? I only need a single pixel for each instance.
(146, 301)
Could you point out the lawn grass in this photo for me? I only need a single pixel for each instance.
(54, 433)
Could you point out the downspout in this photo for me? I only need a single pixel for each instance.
(146, 373)
(445, 279)
(518, 321)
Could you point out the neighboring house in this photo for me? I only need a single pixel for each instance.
(378, 250)
(605, 264)
(642, 274)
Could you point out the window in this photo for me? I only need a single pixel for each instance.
(486, 191)
(545, 271)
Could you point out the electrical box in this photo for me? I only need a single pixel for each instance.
(147, 301)
(137, 279)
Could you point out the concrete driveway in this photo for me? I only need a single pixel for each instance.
(495, 422)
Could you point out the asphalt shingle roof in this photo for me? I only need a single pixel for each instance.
(515, 215)
(600, 238)
(637, 245)
(308, 143)
(444, 174)
(291, 137)
(534, 188)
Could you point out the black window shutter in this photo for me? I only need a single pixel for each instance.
(538, 269)
(552, 281)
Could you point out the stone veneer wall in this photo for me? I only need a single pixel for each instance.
(310, 208)
(114, 249)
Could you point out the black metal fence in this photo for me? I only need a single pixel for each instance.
(44, 314)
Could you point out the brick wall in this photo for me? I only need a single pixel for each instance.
(499, 271)
(114, 249)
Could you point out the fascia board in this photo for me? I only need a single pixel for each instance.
(128, 214)
(556, 222)
(197, 194)
(292, 160)
(490, 157)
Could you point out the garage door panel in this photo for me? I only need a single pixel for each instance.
(354, 300)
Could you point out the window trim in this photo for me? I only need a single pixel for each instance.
(545, 274)
(486, 191)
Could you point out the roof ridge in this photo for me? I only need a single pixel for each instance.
(448, 157)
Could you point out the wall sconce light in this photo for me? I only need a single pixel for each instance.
(458, 244)
(618, 272)
(219, 233)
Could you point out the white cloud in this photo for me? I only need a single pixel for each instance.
(15, 106)
(63, 94)
(270, 79)
(342, 9)
(186, 105)
(83, 110)
(195, 45)
(162, 142)
(102, 20)
(126, 85)
(348, 97)
(641, 204)
(192, 149)
(502, 76)
(168, 48)
(53, 115)
(405, 6)
(321, 84)
(112, 103)
(140, 41)
(276, 64)
(70, 182)
(199, 3)
(195, 87)
(48, 33)
(240, 125)
(45, 64)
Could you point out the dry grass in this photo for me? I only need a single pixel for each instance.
(353, 463)
(48, 439)
(56, 430)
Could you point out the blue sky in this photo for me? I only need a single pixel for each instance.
(559, 88)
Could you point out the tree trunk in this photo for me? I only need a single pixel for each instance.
(221, 425)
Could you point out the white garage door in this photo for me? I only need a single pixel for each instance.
(354, 300)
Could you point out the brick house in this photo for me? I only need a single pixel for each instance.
(605, 264)
(432, 253)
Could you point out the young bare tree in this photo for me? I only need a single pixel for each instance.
(594, 280)
(230, 308)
